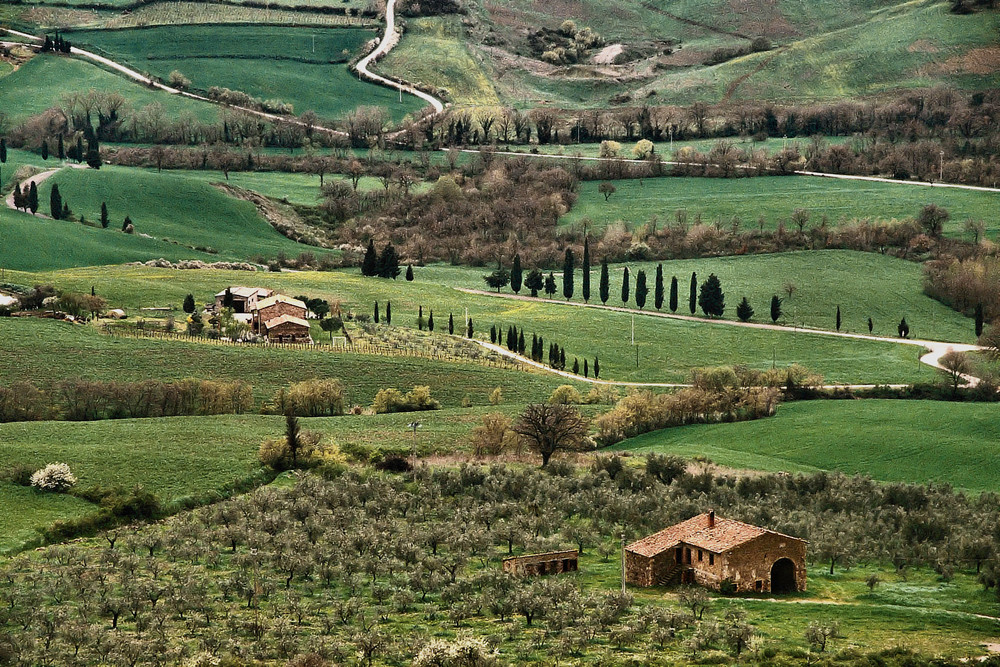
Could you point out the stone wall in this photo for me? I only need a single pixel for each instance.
(289, 332)
(750, 563)
(553, 562)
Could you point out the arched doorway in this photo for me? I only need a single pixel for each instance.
(783, 577)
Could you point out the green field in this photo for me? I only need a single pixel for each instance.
(43, 81)
(187, 13)
(199, 217)
(26, 509)
(775, 198)
(433, 54)
(305, 67)
(668, 349)
(17, 159)
(891, 441)
(864, 285)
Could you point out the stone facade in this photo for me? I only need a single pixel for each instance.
(273, 308)
(718, 553)
(288, 332)
(554, 562)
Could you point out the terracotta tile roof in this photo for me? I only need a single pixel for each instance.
(280, 298)
(723, 536)
(282, 319)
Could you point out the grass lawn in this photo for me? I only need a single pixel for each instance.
(26, 509)
(188, 13)
(774, 198)
(306, 67)
(893, 441)
(17, 159)
(171, 206)
(432, 53)
(43, 81)
(668, 349)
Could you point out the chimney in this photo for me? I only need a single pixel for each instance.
(711, 518)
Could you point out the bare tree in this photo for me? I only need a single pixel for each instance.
(956, 365)
(549, 428)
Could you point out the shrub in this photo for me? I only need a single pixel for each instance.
(665, 467)
(313, 452)
(394, 464)
(493, 435)
(496, 396)
(53, 477)
(393, 400)
(311, 398)
(565, 395)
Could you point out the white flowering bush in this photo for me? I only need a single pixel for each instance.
(53, 477)
(463, 652)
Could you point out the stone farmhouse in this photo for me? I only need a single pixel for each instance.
(721, 554)
(244, 298)
(276, 317)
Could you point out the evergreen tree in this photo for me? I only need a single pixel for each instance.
(227, 299)
(711, 299)
(541, 348)
(105, 220)
(535, 282)
(516, 276)
(93, 154)
(430, 321)
(388, 312)
(468, 329)
(576, 366)
(127, 224)
(3, 151)
(871, 325)
(520, 342)
(569, 267)
(369, 267)
(420, 318)
(673, 294)
(79, 148)
(511, 340)
(693, 295)
(658, 288)
(980, 319)
(550, 285)
(19, 202)
(188, 304)
(562, 359)
(451, 324)
(585, 286)
(605, 286)
(553, 355)
(55, 202)
(838, 318)
(744, 310)
(903, 328)
(586, 368)
(641, 290)
(45, 149)
(61, 147)
(388, 262)
(775, 308)
(32, 198)
(493, 334)
(626, 285)
(375, 317)
(409, 273)
(597, 368)
(65, 212)
(534, 345)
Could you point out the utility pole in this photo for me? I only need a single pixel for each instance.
(623, 563)
(633, 330)
(941, 170)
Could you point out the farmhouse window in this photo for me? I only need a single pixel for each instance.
(701, 555)
(711, 558)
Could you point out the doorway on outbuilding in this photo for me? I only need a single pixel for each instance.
(783, 576)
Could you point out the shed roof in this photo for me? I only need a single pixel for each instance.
(245, 292)
(280, 298)
(724, 535)
(285, 319)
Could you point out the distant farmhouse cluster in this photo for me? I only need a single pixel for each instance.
(274, 317)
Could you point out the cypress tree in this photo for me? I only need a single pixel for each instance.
(838, 317)
(658, 288)
(32, 198)
(388, 262)
(420, 318)
(516, 275)
(569, 266)
(641, 290)
(3, 151)
(189, 304)
(510, 342)
(18, 197)
(451, 324)
(744, 310)
(409, 273)
(585, 286)
(871, 325)
(562, 359)
(597, 368)
(388, 312)
(45, 149)
(586, 368)
(980, 319)
(55, 201)
(535, 281)
(468, 332)
(534, 345)
(369, 267)
(552, 355)
(79, 148)
(903, 328)
(776, 308)
(376, 313)
(576, 366)
(550, 285)
(105, 221)
(605, 286)
(126, 223)
(673, 294)
(93, 154)
(520, 342)
(430, 321)
(711, 299)
(61, 147)
(693, 296)
(493, 334)
(625, 286)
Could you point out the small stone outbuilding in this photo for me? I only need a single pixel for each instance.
(273, 307)
(718, 553)
(286, 329)
(553, 562)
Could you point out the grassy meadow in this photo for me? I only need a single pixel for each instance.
(890, 441)
(774, 198)
(43, 81)
(305, 67)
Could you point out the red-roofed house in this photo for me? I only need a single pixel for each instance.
(711, 551)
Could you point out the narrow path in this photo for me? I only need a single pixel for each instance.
(26, 183)
(389, 40)
(936, 349)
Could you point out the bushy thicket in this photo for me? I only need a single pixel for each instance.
(393, 400)
(82, 400)
(335, 568)
(964, 284)
(311, 398)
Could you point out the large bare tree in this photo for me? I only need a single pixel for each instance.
(548, 428)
